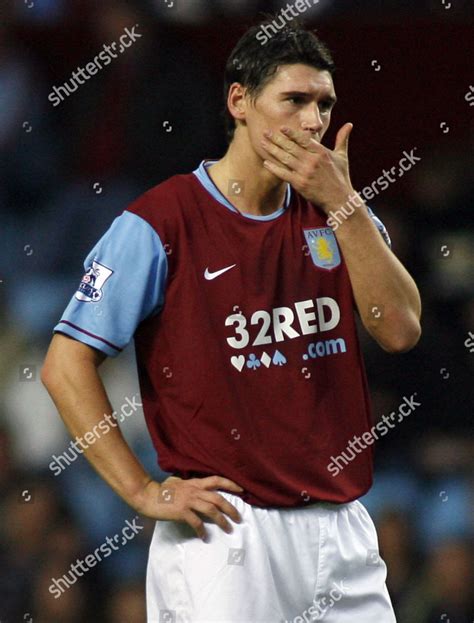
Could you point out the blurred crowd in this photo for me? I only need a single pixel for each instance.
(67, 171)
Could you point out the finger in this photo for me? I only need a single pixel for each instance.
(217, 482)
(284, 174)
(208, 509)
(302, 139)
(224, 505)
(283, 157)
(284, 142)
(342, 138)
(195, 522)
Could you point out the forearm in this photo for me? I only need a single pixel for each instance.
(80, 397)
(386, 295)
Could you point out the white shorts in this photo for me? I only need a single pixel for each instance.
(315, 563)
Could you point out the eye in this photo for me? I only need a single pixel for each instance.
(296, 99)
(325, 107)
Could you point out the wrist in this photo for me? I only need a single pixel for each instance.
(349, 224)
(136, 496)
(340, 212)
(348, 201)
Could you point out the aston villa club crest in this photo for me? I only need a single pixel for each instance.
(90, 288)
(323, 247)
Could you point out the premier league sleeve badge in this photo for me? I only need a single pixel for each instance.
(90, 288)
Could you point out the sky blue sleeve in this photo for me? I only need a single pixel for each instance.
(380, 226)
(124, 283)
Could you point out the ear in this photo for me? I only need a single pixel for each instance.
(236, 101)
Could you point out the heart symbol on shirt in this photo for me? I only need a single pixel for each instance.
(238, 362)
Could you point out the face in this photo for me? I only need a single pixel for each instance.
(298, 96)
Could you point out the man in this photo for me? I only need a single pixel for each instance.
(241, 299)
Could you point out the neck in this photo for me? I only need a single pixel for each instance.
(243, 180)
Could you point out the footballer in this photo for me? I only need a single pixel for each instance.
(241, 297)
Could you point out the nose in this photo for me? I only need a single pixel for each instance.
(312, 120)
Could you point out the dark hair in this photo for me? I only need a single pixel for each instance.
(256, 58)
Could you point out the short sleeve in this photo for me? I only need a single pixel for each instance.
(380, 226)
(124, 283)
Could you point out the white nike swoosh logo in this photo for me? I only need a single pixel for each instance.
(208, 275)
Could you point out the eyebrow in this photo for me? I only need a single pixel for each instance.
(328, 98)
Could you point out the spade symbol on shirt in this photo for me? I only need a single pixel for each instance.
(278, 359)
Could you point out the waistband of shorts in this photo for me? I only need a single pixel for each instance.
(239, 503)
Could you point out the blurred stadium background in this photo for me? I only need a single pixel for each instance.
(405, 70)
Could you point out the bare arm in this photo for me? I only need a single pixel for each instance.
(71, 377)
(70, 374)
(386, 295)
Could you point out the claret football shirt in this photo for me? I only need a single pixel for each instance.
(247, 353)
